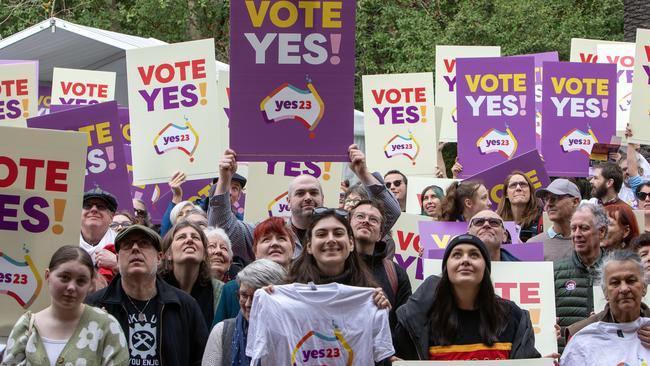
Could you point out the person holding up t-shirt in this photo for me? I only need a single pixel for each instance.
(334, 324)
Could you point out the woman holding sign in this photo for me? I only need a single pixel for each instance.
(67, 331)
(519, 204)
(459, 317)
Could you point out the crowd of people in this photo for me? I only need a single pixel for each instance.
(183, 293)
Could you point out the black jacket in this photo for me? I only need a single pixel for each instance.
(183, 328)
(375, 263)
(411, 338)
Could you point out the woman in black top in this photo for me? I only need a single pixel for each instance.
(459, 317)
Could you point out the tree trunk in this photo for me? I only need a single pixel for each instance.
(636, 14)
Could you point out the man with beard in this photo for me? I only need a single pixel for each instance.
(606, 182)
(305, 194)
(367, 219)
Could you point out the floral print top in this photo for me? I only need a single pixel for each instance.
(97, 340)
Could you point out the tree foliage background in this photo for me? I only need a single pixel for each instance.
(393, 36)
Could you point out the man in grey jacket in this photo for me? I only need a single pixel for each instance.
(305, 194)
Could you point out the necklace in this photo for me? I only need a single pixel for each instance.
(141, 316)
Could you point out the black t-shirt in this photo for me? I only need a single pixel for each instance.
(468, 344)
(143, 331)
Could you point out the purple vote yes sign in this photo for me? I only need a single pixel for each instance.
(292, 80)
(579, 109)
(496, 110)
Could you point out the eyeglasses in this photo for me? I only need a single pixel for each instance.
(642, 195)
(396, 183)
(552, 198)
(140, 213)
(116, 224)
(326, 210)
(493, 222)
(244, 297)
(89, 206)
(514, 185)
(142, 243)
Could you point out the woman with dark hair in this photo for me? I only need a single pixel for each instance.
(121, 220)
(329, 254)
(185, 265)
(643, 199)
(622, 228)
(431, 202)
(459, 317)
(519, 204)
(464, 199)
(67, 330)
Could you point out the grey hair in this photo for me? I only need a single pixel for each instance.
(173, 215)
(211, 231)
(600, 216)
(620, 256)
(262, 272)
(196, 211)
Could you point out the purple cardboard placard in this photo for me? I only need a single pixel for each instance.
(435, 235)
(292, 82)
(529, 252)
(105, 167)
(579, 109)
(540, 58)
(496, 110)
(530, 163)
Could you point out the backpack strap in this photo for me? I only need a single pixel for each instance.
(391, 273)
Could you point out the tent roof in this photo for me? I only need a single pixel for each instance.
(58, 43)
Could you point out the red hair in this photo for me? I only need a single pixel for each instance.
(624, 216)
(272, 225)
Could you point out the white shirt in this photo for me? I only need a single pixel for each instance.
(108, 238)
(297, 325)
(607, 344)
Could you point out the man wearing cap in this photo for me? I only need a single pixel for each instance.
(305, 193)
(163, 325)
(97, 237)
(560, 198)
(488, 226)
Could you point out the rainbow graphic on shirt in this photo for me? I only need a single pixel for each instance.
(578, 140)
(324, 352)
(495, 141)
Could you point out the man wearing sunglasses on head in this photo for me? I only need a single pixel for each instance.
(304, 195)
(488, 226)
(561, 198)
(97, 238)
(396, 182)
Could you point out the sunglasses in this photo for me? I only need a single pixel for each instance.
(326, 210)
(100, 206)
(642, 195)
(552, 198)
(140, 213)
(396, 183)
(480, 221)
